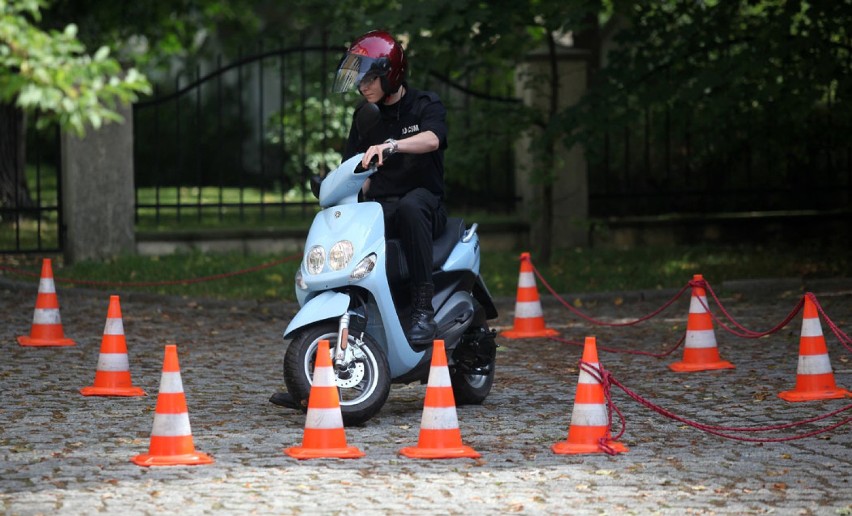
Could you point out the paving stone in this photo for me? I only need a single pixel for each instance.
(63, 453)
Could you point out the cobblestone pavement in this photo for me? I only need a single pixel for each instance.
(63, 453)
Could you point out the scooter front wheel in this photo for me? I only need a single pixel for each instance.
(363, 387)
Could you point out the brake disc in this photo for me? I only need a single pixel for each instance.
(356, 374)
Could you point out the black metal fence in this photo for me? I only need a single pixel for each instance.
(232, 142)
(239, 142)
(480, 168)
(663, 165)
(32, 221)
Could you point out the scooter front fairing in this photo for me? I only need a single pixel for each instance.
(330, 264)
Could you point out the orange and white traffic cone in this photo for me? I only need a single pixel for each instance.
(814, 378)
(440, 436)
(589, 431)
(700, 352)
(47, 324)
(171, 438)
(112, 377)
(529, 317)
(324, 436)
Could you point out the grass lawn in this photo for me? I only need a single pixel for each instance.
(571, 271)
(238, 276)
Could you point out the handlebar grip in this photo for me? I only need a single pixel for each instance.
(360, 168)
(375, 159)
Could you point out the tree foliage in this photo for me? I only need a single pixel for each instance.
(153, 35)
(736, 74)
(51, 72)
(776, 70)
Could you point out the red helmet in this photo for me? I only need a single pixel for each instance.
(374, 53)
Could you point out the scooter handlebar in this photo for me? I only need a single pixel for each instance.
(373, 161)
(360, 168)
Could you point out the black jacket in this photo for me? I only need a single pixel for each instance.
(416, 112)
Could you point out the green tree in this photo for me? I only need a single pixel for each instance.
(745, 75)
(50, 72)
(740, 75)
(463, 39)
(44, 65)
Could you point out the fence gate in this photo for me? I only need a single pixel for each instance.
(30, 205)
(236, 145)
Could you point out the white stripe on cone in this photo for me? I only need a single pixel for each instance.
(526, 280)
(46, 316)
(114, 326)
(814, 364)
(324, 377)
(170, 383)
(439, 377)
(587, 377)
(324, 418)
(46, 286)
(528, 309)
(700, 339)
(113, 362)
(811, 327)
(589, 414)
(439, 418)
(171, 425)
(695, 306)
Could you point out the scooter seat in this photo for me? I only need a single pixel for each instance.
(441, 248)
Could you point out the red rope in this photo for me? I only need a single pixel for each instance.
(842, 337)
(625, 351)
(188, 281)
(607, 380)
(743, 332)
(599, 322)
(746, 333)
(598, 373)
(750, 334)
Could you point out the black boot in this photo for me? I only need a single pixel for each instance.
(422, 329)
(284, 399)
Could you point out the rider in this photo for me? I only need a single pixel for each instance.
(409, 142)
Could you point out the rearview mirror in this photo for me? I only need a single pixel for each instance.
(366, 117)
(316, 182)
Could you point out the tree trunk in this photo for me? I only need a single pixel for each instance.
(589, 38)
(545, 243)
(14, 192)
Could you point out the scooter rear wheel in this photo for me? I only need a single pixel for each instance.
(477, 351)
(364, 388)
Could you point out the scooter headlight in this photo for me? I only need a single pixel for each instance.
(340, 254)
(364, 267)
(300, 281)
(315, 260)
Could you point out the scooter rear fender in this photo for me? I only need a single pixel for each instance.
(325, 305)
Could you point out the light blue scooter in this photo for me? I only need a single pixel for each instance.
(353, 289)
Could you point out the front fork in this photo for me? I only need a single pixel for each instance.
(342, 352)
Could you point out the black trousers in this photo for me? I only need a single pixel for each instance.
(416, 219)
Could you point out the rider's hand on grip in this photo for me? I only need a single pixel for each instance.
(361, 168)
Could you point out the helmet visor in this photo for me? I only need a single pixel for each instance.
(352, 70)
